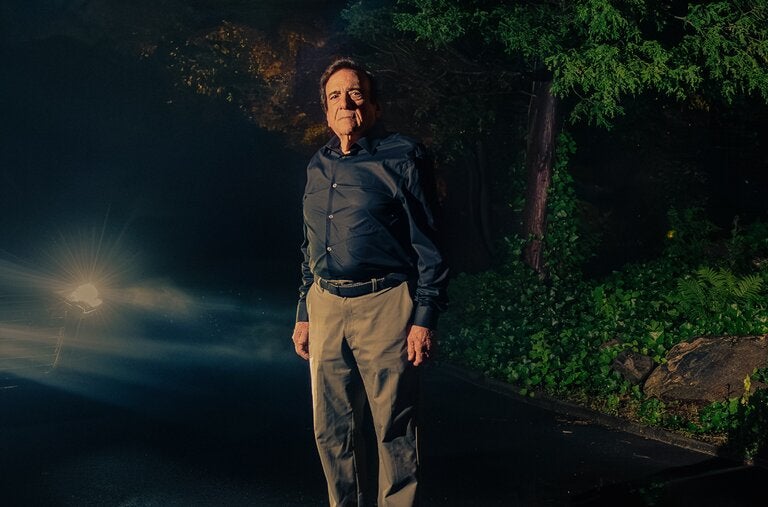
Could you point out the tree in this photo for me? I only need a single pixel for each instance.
(461, 99)
(263, 57)
(258, 71)
(595, 54)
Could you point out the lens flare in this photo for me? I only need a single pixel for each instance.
(45, 293)
(85, 318)
(85, 297)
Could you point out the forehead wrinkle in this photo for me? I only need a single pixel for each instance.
(337, 79)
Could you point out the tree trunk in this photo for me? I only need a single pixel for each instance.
(542, 132)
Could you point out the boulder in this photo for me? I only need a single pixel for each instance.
(708, 369)
(633, 366)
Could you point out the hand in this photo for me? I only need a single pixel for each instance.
(301, 339)
(420, 344)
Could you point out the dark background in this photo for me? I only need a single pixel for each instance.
(102, 149)
(95, 137)
(92, 138)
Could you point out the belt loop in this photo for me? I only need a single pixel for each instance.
(373, 285)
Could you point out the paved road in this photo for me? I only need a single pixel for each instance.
(214, 411)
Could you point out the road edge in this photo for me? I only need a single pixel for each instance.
(575, 411)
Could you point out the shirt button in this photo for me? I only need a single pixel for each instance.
(328, 248)
(335, 185)
(330, 217)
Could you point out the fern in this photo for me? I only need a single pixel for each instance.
(749, 288)
(709, 291)
(691, 296)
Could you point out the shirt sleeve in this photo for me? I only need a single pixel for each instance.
(306, 281)
(431, 288)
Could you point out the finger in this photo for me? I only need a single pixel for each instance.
(419, 357)
(300, 334)
(426, 349)
(301, 342)
(411, 349)
(418, 349)
(302, 349)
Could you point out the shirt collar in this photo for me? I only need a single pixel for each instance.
(369, 142)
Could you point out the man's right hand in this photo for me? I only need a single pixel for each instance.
(301, 339)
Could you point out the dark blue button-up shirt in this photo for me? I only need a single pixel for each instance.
(366, 216)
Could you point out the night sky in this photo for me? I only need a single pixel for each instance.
(94, 138)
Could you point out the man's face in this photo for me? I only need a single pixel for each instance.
(350, 110)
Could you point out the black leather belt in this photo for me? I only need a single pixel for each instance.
(355, 289)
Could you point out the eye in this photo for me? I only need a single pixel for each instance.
(333, 96)
(356, 94)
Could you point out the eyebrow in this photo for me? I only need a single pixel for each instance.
(350, 89)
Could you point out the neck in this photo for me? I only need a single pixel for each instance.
(347, 141)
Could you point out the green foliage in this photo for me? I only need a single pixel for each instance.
(601, 51)
(730, 39)
(515, 326)
(631, 307)
(528, 32)
(436, 21)
(566, 245)
(744, 419)
(748, 435)
(651, 412)
(715, 299)
(719, 417)
(712, 291)
(561, 335)
(368, 22)
(456, 103)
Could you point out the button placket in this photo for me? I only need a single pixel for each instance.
(329, 215)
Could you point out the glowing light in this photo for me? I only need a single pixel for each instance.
(85, 297)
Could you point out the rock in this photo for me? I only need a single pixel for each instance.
(634, 367)
(708, 369)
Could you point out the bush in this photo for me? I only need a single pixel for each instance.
(559, 335)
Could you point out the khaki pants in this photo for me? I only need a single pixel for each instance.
(358, 349)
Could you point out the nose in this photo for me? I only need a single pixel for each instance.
(348, 103)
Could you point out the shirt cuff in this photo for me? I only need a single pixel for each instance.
(424, 316)
(301, 312)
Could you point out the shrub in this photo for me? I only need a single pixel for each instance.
(561, 334)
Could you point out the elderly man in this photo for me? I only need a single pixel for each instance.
(373, 284)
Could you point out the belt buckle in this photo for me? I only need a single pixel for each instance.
(374, 285)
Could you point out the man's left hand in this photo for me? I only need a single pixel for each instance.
(420, 344)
